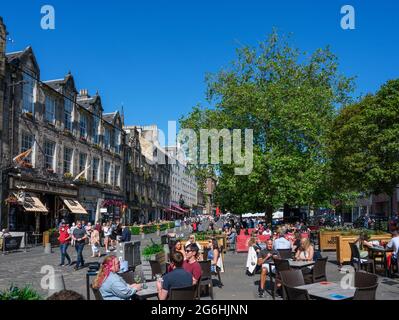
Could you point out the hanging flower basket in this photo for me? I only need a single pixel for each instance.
(110, 203)
(11, 200)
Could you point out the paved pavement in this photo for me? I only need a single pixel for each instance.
(24, 268)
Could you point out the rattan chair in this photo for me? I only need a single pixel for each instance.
(186, 293)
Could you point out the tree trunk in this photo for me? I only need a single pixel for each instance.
(269, 215)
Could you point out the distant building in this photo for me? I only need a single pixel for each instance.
(155, 170)
(184, 188)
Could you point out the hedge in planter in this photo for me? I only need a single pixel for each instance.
(152, 250)
(14, 293)
(164, 226)
(150, 229)
(135, 230)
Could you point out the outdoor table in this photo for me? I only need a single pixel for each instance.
(380, 250)
(151, 290)
(328, 291)
(293, 264)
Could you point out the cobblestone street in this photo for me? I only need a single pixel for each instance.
(23, 268)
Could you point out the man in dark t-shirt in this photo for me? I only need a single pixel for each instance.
(80, 236)
(178, 278)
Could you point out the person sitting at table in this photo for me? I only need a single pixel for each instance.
(191, 240)
(252, 259)
(394, 245)
(362, 243)
(264, 257)
(176, 246)
(305, 251)
(178, 278)
(267, 232)
(297, 242)
(110, 284)
(191, 264)
(281, 243)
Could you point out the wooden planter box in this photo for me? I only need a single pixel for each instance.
(160, 257)
(344, 250)
(328, 240)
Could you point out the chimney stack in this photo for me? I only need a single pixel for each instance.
(84, 93)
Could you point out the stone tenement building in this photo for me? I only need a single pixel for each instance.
(149, 175)
(184, 188)
(68, 133)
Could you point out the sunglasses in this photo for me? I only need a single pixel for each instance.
(187, 251)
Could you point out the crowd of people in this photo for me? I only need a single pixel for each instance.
(106, 235)
(183, 270)
(291, 237)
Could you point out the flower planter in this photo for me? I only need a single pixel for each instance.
(344, 250)
(328, 240)
(160, 257)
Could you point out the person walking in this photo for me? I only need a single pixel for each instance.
(71, 232)
(95, 243)
(64, 239)
(80, 236)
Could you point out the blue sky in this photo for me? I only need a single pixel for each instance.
(152, 56)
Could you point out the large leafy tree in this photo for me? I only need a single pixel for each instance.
(364, 143)
(289, 99)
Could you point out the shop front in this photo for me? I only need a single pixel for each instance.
(113, 209)
(37, 206)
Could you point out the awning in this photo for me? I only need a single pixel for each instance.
(180, 208)
(74, 206)
(33, 204)
(175, 211)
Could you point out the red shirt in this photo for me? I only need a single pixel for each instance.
(63, 235)
(193, 268)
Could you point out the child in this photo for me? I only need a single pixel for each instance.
(95, 243)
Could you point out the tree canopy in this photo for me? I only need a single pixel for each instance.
(289, 99)
(364, 143)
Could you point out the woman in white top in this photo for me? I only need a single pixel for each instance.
(305, 251)
(70, 231)
(107, 233)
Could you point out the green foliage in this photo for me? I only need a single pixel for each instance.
(152, 249)
(289, 99)
(147, 229)
(351, 231)
(364, 143)
(14, 293)
(135, 230)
